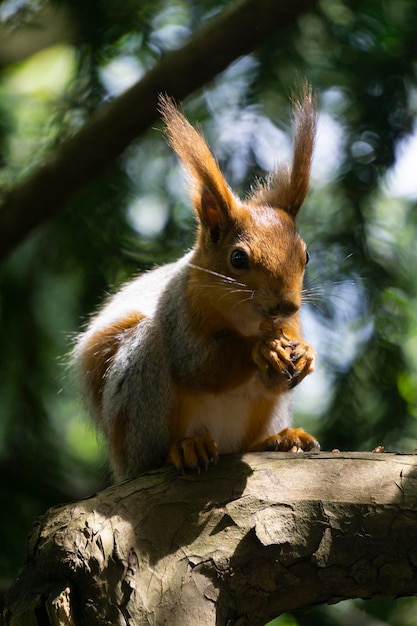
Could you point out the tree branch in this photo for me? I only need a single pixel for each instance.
(252, 538)
(237, 31)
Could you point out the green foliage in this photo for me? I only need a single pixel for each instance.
(361, 288)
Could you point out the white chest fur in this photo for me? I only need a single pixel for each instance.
(225, 416)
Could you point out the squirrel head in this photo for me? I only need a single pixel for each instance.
(249, 261)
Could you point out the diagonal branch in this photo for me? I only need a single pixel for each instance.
(237, 31)
(254, 537)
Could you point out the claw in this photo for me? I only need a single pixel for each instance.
(288, 440)
(282, 362)
(193, 453)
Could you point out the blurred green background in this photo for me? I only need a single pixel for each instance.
(59, 62)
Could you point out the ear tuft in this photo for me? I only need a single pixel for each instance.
(212, 198)
(287, 187)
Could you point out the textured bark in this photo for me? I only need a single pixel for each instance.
(237, 31)
(255, 536)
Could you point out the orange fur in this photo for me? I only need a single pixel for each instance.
(184, 407)
(185, 451)
(117, 438)
(226, 343)
(288, 440)
(230, 354)
(193, 452)
(225, 223)
(99, 353)
(257, 422)
(210, 192)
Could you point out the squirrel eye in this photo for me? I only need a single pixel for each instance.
(239, 259)
(307, 257)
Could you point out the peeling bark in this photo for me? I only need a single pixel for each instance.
(252, 538)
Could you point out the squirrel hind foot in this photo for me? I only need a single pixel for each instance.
(193, 453)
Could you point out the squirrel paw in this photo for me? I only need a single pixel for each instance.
(193, 453)
(283, 362)
(288, 440)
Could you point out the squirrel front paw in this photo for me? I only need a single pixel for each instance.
(194, 453)
(283, 362)
(288, 440)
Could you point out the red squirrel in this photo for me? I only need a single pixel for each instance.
(198, 357)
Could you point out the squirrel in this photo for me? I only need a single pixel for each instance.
(198, 357)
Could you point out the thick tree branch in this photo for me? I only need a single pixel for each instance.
(254, 537)
(235, 32)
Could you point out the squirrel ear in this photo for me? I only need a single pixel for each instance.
(287, 187)
(212, 198)
(212, 213)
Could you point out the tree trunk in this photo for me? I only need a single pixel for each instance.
(237, 31)
(252, 538)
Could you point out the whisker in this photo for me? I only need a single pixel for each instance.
(331, 268)
(244, 300)
(224, 277)
(312, 297)
(234, 291)
(315, 305)
(229, 288)
(321, 292)
(316, 285)
(230, 285)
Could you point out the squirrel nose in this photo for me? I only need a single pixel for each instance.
(285, 308)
